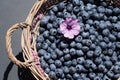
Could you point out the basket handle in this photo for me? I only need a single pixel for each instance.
(8, 45)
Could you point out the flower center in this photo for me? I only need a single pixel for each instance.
(69, 27)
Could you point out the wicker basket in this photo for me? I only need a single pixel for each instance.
(28, 39)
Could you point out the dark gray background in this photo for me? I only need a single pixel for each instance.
(11, 12)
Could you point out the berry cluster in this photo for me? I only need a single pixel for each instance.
(94, 54)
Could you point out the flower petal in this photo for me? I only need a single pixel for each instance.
(74, 32)
(76, 27)
(68, 20)
(63, 26)
(64, 31)
(69, 35)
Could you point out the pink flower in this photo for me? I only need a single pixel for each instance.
(70, 28)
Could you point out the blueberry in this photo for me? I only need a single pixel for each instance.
(98, 60)
(67, 57)
(47, 70)
(88, 63)
(97, 78)
(92, 38)
(52, 38)
(69, 77)
(89, 21)
(79, 53)
(88, 42)
(62, 59)
(66, 14)
(53, 55)
(78, 38)
(68, 63)
(101, 9)
(80, 60)
(52, 67)
(85, 15)
(112, 37)
(55, 9)
(74, 62)
(72, 70)
(110, 52)
(61, 6)
(116, 76)
(108, 12)
(76, 76)
(44, 65)
(55, 24)
(92, 75)
(53, 31)
(66, 51)
(106, 32)
(40, 39)
(44, 20)
(65, 69)
(51, 12)
(85, 48)
(116, 27)
(102, 25)
(47, 56)
(49, 26)
(108, 64)
(106, 39)
(106, 78)
(110, 74)
(90, 54)
(100, 37)
(52, 74)
(85, 34)
(38, 46)
(59, 72)
(93, 46)
(63, 45)
(48, 42)
(53, 46)
(76, 2)
(87, 27)
(116, 69)
(46, 34)
(69, 7)
(50, 61)
(114, 19)
(102, 68)
(72, 44)
(118, 45)
(76, 9)
(118, 35)
(41, 29)
(52, 19)
(80, 68)
(103, 45)
(72, 51)
(58, 63)
(116, 10)
(58, 52)
(60, 14)
(78, 45)
(50, 50)
(44, 45)
(41, 52)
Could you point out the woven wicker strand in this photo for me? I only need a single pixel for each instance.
(28, 39)
(27, 48)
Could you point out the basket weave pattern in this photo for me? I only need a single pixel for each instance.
(28, 39)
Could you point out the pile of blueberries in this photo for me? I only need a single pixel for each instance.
(94, 54)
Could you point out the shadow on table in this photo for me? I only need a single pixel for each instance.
(23, 73)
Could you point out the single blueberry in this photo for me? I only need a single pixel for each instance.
(58, 63)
